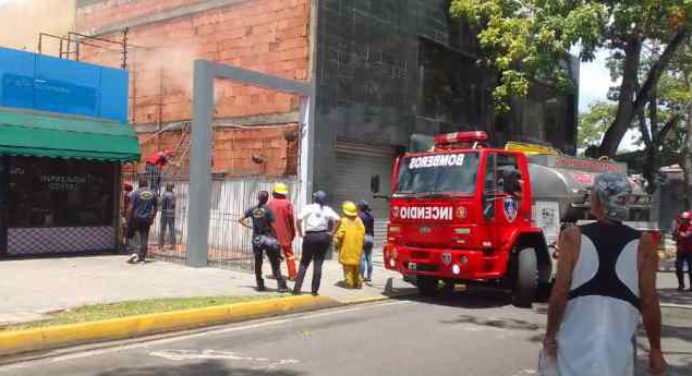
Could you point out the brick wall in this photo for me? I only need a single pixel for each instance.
(268, 36)
(98, 14)
(263, 35)
(237, 151)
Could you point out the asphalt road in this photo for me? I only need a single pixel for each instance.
(475, 333)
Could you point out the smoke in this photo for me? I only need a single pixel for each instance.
(175, 64)
(21, 21)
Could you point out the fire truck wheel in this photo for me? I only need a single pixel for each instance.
(526, 282)
(428, 286)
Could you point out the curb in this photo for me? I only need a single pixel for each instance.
(53, 337)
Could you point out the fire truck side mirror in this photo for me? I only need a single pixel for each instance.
(375, 184)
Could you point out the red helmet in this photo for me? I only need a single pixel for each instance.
(686, 215)
(128, 186)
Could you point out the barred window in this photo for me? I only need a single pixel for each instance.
(46, 192)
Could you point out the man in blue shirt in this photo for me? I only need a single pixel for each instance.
(143, 206)
(264, 240)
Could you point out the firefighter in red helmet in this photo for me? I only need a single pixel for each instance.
(683, 242)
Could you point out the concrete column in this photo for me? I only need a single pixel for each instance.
(197, 247)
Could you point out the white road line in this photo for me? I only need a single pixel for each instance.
(672, 305)
(182, 355)
(235, 328)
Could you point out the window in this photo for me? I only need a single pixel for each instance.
(503, 180)
(508, 175)
(60, 193)
(490, 187)
(438, 173)
(453, 89)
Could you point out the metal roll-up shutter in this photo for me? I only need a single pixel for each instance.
(357, 167)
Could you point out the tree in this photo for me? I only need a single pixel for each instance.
(530, 40)
(594, 123)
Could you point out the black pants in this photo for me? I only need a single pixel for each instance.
(274, 261)
(141, 229)
(315, 245)
(680, 260)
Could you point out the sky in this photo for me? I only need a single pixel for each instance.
(594, 82)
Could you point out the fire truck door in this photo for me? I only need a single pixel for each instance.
(502, 196)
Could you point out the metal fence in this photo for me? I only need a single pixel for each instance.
(229, 243)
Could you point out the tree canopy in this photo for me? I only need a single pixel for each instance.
(594, 123)
(531, 40)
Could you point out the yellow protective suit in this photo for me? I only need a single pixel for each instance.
(349, 239)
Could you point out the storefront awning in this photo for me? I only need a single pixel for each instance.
(40, 134)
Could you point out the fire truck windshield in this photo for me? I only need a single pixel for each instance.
(448, 173)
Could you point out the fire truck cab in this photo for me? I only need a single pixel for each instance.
(465, 213)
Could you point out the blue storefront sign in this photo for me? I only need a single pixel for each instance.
(46, 83)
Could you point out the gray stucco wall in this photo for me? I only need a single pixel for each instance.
(379, 64)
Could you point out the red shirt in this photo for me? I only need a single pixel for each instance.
(683, 238)
(159, 158)
(284, 221)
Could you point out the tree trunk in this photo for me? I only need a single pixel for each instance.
(623, 118)
(651, 83)
(626, 114)
(687, 160)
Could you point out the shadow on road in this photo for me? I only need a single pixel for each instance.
(473, 298)
(499, 323)
(207, 368)
(679, 362)
(673, 296)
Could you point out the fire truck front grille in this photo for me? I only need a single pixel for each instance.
(420, 255)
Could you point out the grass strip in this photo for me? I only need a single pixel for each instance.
(130, 308)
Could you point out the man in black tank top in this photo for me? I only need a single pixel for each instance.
(606, 280)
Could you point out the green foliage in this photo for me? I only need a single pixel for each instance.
(128, 308)
(528, 40)
(594, 123)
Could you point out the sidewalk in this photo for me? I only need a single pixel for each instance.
(34, 287)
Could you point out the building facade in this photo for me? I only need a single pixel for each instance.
(63, 138)
(383, 70)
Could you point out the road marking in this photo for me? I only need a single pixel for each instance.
(235, 328)
(526, 372)
(183, 355)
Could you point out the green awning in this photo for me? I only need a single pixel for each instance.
(41, 134)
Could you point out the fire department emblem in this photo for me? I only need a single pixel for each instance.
(461, 212)
(395, 212)
(511, 208)
(446, 258)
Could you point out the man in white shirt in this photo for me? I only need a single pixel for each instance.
(314, 224)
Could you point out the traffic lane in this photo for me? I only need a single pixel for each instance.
(456, 336)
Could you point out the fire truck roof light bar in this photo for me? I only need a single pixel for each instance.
(461, 138)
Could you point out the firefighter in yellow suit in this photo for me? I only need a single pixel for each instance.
(349, 240)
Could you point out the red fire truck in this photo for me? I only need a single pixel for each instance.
(467, 213)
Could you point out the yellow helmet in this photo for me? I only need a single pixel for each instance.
(281, 189)
(350, 209)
